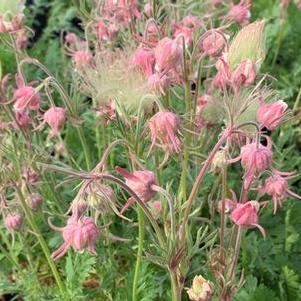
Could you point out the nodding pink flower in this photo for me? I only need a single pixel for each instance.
(244, 74)
(123, 11)
(70, 38)
(55, 117)
(82, 58)
(107, 32)
(145, 59)
(13, 221)
(102, 30)
(223, 75)
(230, 205)
(164, 127)
(168, 54)
(79, 233)
(25, 96)
(140, 182)
(158, 83)
(191, 22)
(256, 158)
(13, 25)
(270, 114)
(276, 186)
(202, 102)
(34, 201)
(246, 215)
(151, 35)
(186, 33)
(240, 13)
(23, 119)
(30, 175)
(213, 43)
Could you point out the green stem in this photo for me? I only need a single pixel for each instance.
(43, 244)
(200, 178)
(85, 147)
(175, 290)
(139, 254)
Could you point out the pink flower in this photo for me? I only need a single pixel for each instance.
(140, 182)
(191, 22)
(55, 117)
(230, 205)
(246, 215)
(164, 128)
(25, 96)
(223, 75)
(30, 175)
(13, 221)
(239, 13)
(23, 119)
(145, 59)
(256, 158)
(70, 38)
(158, 83)
(270, 114)
(82, 58)
(34, 201)
(213, 43)
(168, 54)
(107, 32)
(276, 186)
(244, 74)
(79, 233)
(186, 33)
(12, 25)
(21, 40)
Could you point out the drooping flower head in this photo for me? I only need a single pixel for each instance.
(270, 114)
(13, 221)
(164, 127)
(201, 289)
(79, 233)
(55, 117)
(140, 182)
(213, 43)
(26, 97)
(256, 158)
(158, 83)
(244, 74)
(34, 201)
(145, 59)
(246, 215)
(276, 186)
(168, 54)
(240, 13)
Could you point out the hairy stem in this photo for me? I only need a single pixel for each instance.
(139, 254)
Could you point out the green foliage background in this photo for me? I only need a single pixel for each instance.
(273, 265)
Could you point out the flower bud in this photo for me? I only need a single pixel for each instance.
(213, 43)
(34, 201)
(13, 221)
(55, 117)
(164, 128)
(270, 114)
(201, 289)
